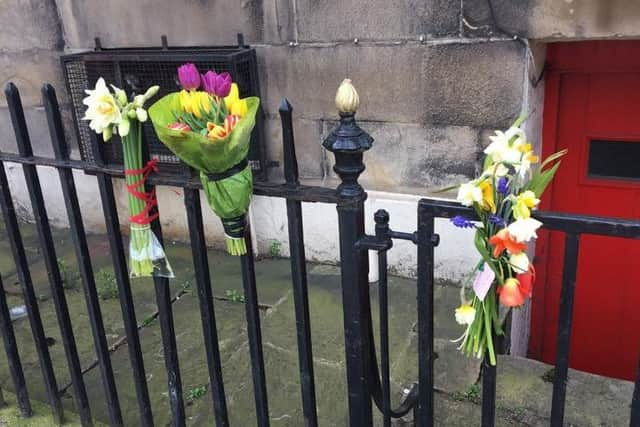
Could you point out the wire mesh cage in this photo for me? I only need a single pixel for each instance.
(135, 69)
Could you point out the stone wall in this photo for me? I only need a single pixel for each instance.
(434, 77)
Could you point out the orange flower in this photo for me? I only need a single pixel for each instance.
(180, 126)
(514, 290)
(526, 281)
(215, 132)
(503, 240)
(218, 132)
(510, 293)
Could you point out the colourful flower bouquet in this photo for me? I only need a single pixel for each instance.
(210, 130)
(111, 113)
(503, 198)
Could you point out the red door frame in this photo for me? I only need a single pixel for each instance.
(563, 58)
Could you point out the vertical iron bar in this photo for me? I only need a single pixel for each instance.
(567, 293)
(167, 329)
(488, 393)
(635, 402)
(51, 262)
(163, 299)
(299, 271)
(253, 329)
(426, 243)
(124, 288)
(348, 142)
(20, 258)
(61, 150)
(205, 297)
(13, 358)
(382, 230)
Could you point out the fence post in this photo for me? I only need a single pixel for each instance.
(348, 143)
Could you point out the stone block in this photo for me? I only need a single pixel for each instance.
(416, 157)
(308, 148)
(279, 21)
(388, 79)
(474, 84)
(376, 20)
(141, 23)
(28, 70)
(25, 25)
(38, 130)
(554, 20)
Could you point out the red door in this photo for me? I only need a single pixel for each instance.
(592, 107)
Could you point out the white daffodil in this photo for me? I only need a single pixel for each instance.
(465, 314)
(103, 110)
(505, 146)
(524, 230)
(469, 193)
(519, 262)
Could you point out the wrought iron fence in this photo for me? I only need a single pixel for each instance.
(366, 381)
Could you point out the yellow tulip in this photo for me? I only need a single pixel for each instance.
(195, 102)
(235, 105)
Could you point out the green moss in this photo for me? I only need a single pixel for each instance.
(10, 415)
(106, 284)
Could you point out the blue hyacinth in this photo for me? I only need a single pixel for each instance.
(497, 220)
(462, 222)
(503, 186)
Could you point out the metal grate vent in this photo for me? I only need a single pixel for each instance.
(135, 70)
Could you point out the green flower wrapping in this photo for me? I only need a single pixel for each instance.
(228, 196)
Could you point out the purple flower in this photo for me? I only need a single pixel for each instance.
(462, 222)
(503, 186)
(216, 84)
(189, 76)
(497, 220)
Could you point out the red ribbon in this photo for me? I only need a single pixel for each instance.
(149, 198)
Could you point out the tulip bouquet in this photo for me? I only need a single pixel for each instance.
(209, 127)
(503, 198)
(111, 113)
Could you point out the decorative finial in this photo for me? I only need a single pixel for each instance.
(347, 100)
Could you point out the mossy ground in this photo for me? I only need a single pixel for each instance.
(523, 395)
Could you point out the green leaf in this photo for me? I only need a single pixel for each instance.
(488, 160)
(553, 157)
(481, 246)
(445, 189)
(540, 181)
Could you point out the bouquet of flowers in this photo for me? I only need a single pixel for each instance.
(210, 130)
(503, 198)
(113, 113)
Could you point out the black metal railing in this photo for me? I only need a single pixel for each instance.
(291, 190)
(573, 226)
(367, 383)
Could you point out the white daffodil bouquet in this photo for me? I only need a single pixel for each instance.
(112, 113)
(503, 197)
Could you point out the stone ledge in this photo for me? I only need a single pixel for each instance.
(554, 20)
